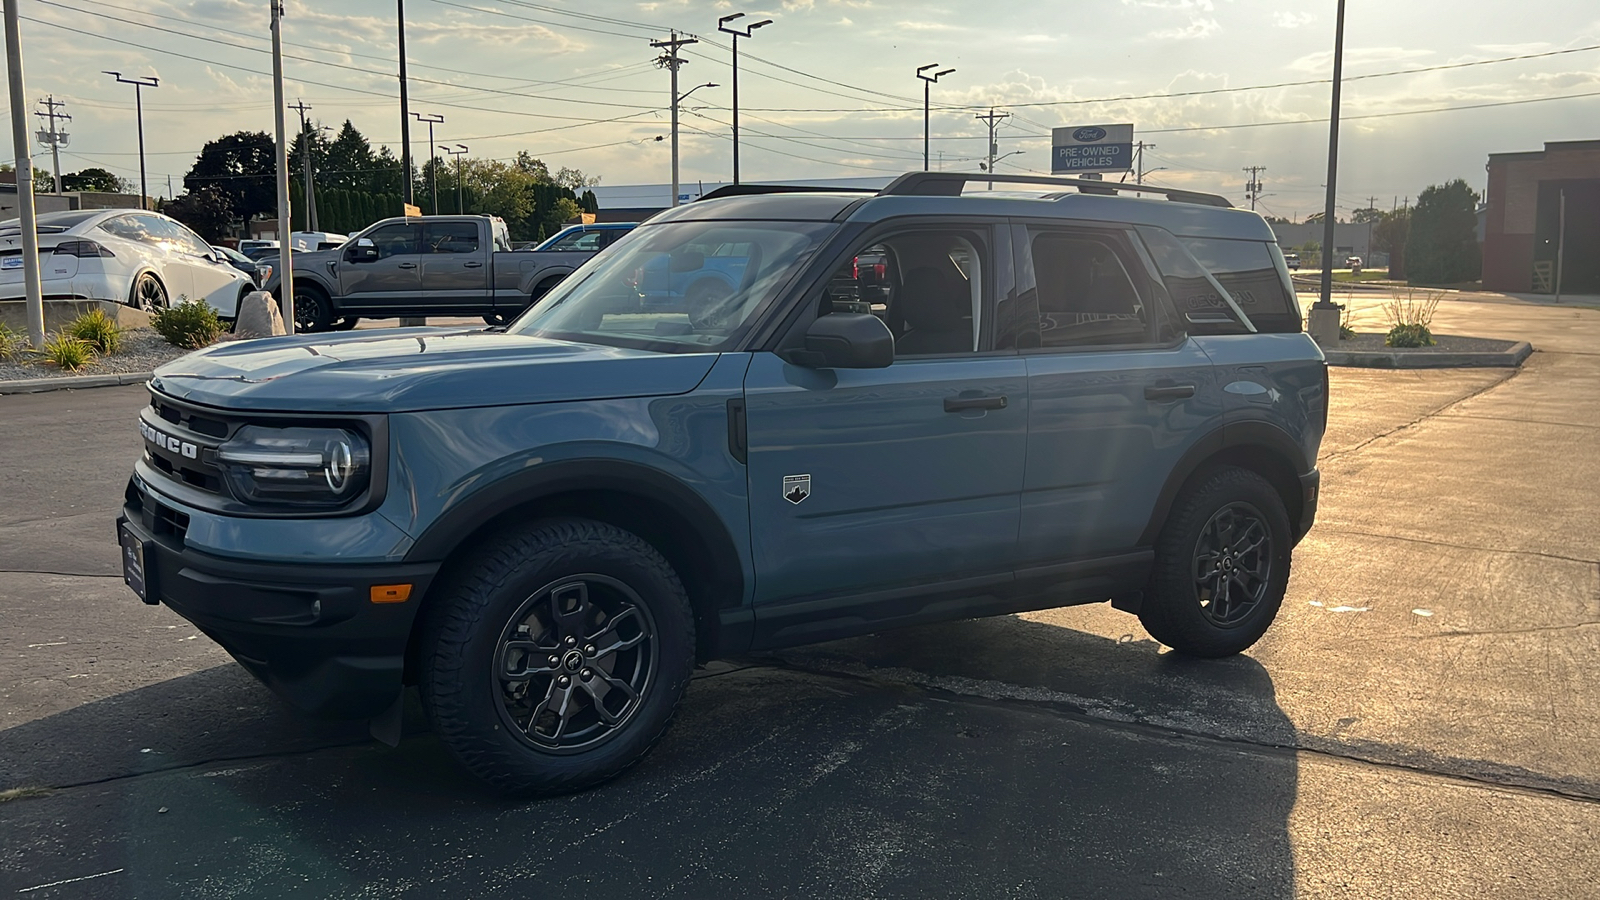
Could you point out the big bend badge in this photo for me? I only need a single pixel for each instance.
(796, 487)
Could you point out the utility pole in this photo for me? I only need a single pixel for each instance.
(1325, 311)
(670, 60)
(1561, 242)
(405, 110)
(1138, 174)
(928, 82)
(52, 138)
(993, 120)
(722, 26)
(431, 119)
(459, 151)
(1252, 188)
(139, 84)
(281, 154)
(305, 151)
(32, 287)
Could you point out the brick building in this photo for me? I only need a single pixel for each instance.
(1523, 216)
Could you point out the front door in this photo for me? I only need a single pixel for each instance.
(455, 276)
(864, 479)
(385, 285)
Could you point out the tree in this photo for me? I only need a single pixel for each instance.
(1366, 214)
(1442, 242)
(1389, 236)
(242, 167)
(91, 179)
(207, 210)
(591, 203)
(574, 180)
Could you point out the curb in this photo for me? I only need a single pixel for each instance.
(72, 382)
(1400, 359)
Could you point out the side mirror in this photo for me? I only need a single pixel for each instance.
(363, 249)
(847, 341)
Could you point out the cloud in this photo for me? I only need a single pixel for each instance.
(1185, 5)
(1197, 28)
(1321, 62)
(799, 5)
(1285, 19)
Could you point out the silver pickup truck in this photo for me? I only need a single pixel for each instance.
(417, 267)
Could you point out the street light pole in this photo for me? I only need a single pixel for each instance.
(1325, 301)
(927, 83)
(405, 113)
(32, 287)
(431, 119)
(139, 84)
(457, 153)
(281, 152)
(722, 26)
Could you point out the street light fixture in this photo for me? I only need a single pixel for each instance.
(991, 166)
(927, 84)
(722, 26)
(431, 119)
(139, 84)
(459, 151)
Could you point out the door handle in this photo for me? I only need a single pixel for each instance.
(407, 265)
(1169, 392)
(474, 265)
(962, 404)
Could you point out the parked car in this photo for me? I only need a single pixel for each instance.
(1070, 398)
(590, 238)
(253, 247)
(432, 266)
(316, 240)
(143, 259)
(1352, 262)
(1292, 260)
(259, 272)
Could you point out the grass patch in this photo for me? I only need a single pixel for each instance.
(1364, 276)
(98, 330)
(67, 352)
(11, 343)
(23, 793)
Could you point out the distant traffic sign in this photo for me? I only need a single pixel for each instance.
(1091, 148)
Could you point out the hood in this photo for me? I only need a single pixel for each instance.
(406, 369)
(304, 260)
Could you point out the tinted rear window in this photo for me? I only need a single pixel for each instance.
(1249, 271)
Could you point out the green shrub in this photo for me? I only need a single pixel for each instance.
(98, 330)
(1346, 333)
(190, 324)
(67, 352)
(11, 343)
(1409, 336)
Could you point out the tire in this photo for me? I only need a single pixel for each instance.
(148, 293)
(500, 614)
(347, 323)
(1228, 529)
(312, 311)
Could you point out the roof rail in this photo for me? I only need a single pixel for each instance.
(950, 184)
(745, 190)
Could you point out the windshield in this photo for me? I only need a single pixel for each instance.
(679, 287)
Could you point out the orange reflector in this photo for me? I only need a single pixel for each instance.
(391, 593)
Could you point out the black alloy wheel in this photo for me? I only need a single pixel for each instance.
(573, 663)
(148, 293)
(311, 312)
(1232, 564)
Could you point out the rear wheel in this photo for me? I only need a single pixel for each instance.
(558, 657)
(1222, 565)
(539, 290)
(147, 293)
(312, 311)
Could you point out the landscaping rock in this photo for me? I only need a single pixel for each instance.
(258, 317)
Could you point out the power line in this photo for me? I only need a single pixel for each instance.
(1388, 115)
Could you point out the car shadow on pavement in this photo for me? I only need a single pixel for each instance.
(844, 780)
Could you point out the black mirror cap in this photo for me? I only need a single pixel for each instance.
(847, 341)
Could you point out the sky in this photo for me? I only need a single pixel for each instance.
(829, 88)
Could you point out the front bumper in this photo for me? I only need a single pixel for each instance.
(1310, 493)
(309, 631)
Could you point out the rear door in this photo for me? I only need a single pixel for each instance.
(1117, 392)
(455, 276)
(387, 285)
(213, 280)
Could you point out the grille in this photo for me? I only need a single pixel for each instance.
(186, 451)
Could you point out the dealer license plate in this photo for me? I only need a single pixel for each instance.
(134, 573)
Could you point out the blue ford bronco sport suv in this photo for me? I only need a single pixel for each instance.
(1043, 399)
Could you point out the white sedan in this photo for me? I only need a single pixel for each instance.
(143, 259)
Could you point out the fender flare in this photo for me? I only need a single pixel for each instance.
(537, 276)
(1253, 436)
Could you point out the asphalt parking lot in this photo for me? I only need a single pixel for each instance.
(1420, 722)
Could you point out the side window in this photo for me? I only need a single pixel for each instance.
(579, 240)
(1086, 294)
(395, 240)
(450, 237)
(1249, 270)
(132, 228)
(929, 287)
(188, 241)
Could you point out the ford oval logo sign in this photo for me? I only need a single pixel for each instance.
(1089, 135)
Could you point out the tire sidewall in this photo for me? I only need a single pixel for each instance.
(470, 716)
(323, 318)
(1176, 618)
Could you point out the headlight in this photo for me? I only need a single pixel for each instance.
(305, 467)
(264, 273)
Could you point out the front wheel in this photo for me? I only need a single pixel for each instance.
(312, 311)
(1222, 565)
(557, 658)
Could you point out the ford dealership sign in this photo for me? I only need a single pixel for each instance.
(1091, 148)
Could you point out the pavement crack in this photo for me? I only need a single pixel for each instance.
(1454, 546)
(1335, 454)
(1496, 632)
(1449, 415)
